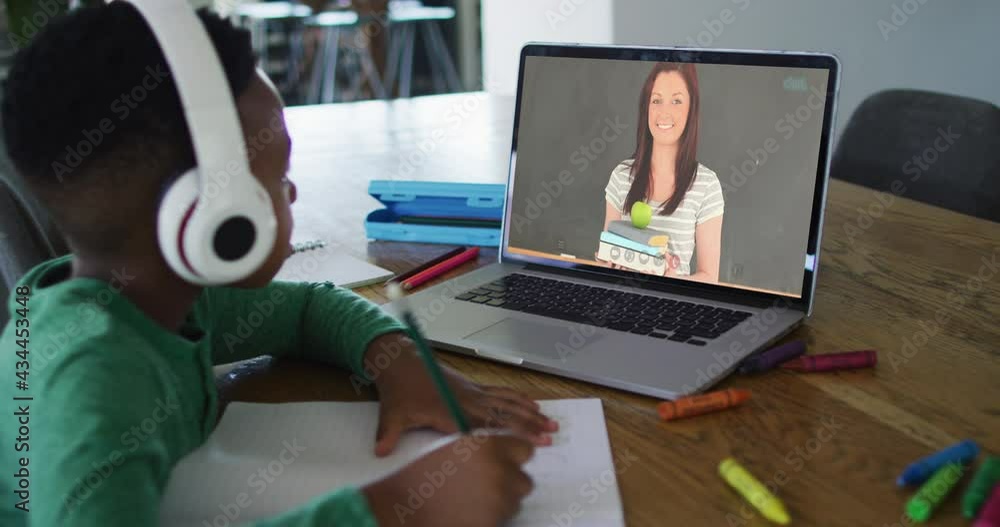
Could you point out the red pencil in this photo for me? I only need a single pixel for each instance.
(427, 265)
(439, 269)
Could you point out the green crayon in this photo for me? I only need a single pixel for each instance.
(933, 492)
(982, 484)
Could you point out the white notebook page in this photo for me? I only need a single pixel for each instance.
(264, 459)
(331, 264)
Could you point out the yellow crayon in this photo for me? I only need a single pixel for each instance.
(754, 491)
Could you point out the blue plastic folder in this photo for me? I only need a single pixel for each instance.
(432, 199)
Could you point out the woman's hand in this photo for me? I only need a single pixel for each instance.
(672, 263)
(410, 400)
(607, 263)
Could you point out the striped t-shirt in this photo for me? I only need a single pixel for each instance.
(702, 202)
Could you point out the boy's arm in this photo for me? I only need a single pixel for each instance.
(97, 459)
(307, 320)
(70, 490)
(101, 457)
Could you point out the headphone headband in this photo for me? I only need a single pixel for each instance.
(210, 232)
(207, 100)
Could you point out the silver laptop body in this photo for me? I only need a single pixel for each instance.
(666, 363)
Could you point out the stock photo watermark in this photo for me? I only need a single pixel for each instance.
(21, 323)
(246, 326)
(899, 15)
(581, 158)
(122, 108)
(87, 311)
(46, 10)
(939, 489)
(255, 144)
(957, 299)
(563, 11)
(435, 480)
(787, 126)
(716, 26)
(258, 481)
(754, 329)
(454, 116)
(130, 440)
(375, 363)
(796, 459)
(915, 167)
(25, 363)
(594, 489)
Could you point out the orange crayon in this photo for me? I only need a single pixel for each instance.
(702, 404)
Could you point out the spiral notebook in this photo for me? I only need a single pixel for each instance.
(265, 459)
(316, 261)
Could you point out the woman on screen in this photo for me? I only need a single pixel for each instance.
(685, 196)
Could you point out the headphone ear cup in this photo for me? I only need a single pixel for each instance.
(176, 206)
(218, 241)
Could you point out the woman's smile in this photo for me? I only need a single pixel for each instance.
(668, 107)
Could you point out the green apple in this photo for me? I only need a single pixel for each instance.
(641, 215)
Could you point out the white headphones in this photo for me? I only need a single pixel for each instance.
(219, 231)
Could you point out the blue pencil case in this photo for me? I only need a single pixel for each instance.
(431, 199)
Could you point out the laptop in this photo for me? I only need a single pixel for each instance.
(662, 221)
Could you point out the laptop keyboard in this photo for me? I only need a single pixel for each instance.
(657, 317)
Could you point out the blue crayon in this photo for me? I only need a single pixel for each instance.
(919, 471)
(770, 359)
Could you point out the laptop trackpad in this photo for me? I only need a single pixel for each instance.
(524, 338)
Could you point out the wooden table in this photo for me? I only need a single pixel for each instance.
(833, 444)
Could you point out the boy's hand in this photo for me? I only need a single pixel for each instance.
(410, 400)
(477, 481)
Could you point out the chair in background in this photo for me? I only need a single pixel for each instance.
(276, 32)
(943, 149)
(406, 17)
(323, 86)
(6, 52)
(27, 235)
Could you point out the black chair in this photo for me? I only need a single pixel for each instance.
(27, 235)
(943, 149)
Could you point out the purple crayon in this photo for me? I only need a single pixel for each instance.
(771, 358)
(848, 360)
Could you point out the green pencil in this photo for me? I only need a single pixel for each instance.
(395, 292)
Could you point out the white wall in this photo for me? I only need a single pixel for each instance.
(944, 46)
(508, 24)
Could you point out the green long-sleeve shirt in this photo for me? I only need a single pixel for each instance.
(116, 400)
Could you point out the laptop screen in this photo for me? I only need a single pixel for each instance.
(701, 172)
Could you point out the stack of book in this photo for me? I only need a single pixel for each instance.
(633, 248)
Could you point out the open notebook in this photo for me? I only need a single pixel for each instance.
(310, 449)
(320, 262)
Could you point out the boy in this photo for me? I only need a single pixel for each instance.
(120, 348)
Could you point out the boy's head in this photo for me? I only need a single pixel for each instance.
(93, 122)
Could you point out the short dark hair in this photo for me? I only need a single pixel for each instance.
(89, 109)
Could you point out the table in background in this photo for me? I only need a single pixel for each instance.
(833, 443)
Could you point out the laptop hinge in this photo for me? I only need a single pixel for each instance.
(741, 297)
